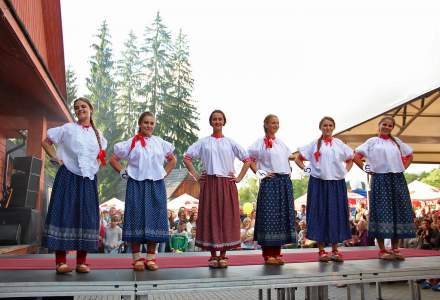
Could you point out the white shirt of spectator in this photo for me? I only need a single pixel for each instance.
(145, 162)
(275, 159)
(217, 154)
(383, 155)
(330, 165)
(77, 147)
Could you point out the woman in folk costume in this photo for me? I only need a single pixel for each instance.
(218, 223)
(275, 221)
(390, 212)
(145, 216)
(72, 221)
(327, 202)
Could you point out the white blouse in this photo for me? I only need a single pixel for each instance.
(217, 155)
(273, 159)
(330, 163)
(77, 147)
(383, 155)
(145, 162)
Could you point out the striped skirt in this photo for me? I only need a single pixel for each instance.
(218, 223)
(390, 210)
(275, 221)
(72, 221)
(145, 216)
(327, 211)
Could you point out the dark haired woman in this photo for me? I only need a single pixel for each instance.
(275, 220)
(218, 223)
(145, 216)
(390, 209)
(72, 221)
(327, 203)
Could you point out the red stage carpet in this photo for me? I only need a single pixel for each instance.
(194, 261)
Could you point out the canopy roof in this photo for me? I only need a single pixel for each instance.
(184, 200)
(417, 124)
(420, 191)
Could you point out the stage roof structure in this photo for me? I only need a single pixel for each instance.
(417, 124)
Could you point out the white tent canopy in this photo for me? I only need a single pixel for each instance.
(420, 191)
(113, 202)
(184, 200)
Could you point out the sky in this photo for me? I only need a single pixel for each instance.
(300, 60)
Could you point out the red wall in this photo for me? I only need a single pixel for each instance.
(42, 19)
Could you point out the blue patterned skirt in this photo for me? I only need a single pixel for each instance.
(274, 224)
(72, 221)
(390, 211)
(145, 217)
(327, 211)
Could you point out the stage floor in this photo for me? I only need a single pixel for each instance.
(24, 283)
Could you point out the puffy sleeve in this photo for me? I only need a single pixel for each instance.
(55, 135)
(194, 151)
(240, 152)
(406, 150)
(253, 150)
(121, 150)
(347, 152)
(306, 152)
(364, 149)
(168, 149)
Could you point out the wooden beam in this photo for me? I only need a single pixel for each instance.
(360, 138)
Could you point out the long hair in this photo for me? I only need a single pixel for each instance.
(320, 124)
(89, 104)
(394, 123)
(266, 120)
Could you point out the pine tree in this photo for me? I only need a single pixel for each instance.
(129, 70)
(179, 114)
(102, 88)
(71, 88)
(157, 48)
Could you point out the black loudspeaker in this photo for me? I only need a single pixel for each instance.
(25, 181)
(10, 234)
(28, 219)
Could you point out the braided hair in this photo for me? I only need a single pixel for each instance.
(320, 124)
(390, 135)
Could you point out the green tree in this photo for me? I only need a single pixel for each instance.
(129, 71)
(102, 88)
(433, 178)
(410, 177)
(157, 49)
(71, 88)
(178, 116)
(300, 186)
(248, 192)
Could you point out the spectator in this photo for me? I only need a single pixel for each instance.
(247, 235)
(113, 236)
(362, 237)
(242, 214)
(253, 216)
(179, 240)
(426, 234)
(302, 213)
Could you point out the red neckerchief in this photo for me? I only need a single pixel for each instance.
(268, 142)
(84, 126)
(217, 135)
(385, 137)
(328, 142)
(138, 137)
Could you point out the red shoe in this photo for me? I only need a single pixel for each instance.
(82, 268)
(336, 256)
(139, 264)
(223, 262)
(151, 264)
(397, 254)
(323, 256)
(386, 255)
(280, 260)
(270, 260)
(213, 262)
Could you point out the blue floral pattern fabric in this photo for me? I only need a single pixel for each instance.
(72, 221)
(145, 217)
(327, 211)
(390, 211)
(274, 224)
